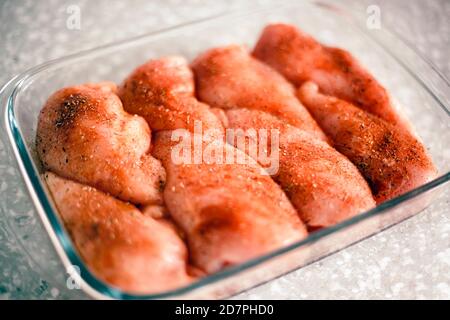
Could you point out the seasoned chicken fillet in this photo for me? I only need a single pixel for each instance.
(324, 186)
(120, 245)
(162, 91)
(391, 160)
(84, 134)
(299, 58)
(229, 77)
(230, 213)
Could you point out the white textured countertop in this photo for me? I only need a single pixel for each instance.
(410, 260)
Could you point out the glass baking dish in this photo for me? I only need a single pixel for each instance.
(416, 84)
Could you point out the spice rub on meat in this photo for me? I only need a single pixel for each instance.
(185, 170)
(162, 92)
(322, 184)
(229, 77)
(300, 58)
(120, 245)
(391, 160)
(229, 212)
(84, 134)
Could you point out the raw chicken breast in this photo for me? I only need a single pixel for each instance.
(230, 77)
(391, 160)
(324, 186)
(162, 91)
(120, 245)
(84, 134)
(230, 213)
(299, 58)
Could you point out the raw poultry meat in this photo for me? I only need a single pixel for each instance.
(392, 161)
(162, 91)
(299, 58)
(229, 77)
(121, 246)
(155, 192)
(230, 212)
(84, 134)
(324, 186)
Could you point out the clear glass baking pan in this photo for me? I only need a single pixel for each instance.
(416, 84)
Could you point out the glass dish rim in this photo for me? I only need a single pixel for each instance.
(49, 216)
